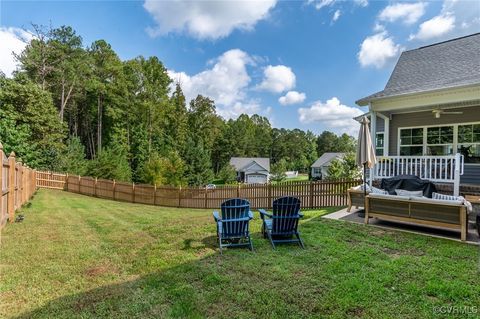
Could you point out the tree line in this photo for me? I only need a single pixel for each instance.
(82, 110)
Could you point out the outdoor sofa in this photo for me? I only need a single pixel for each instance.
(419, 210)
(356, 195)
(407, 198)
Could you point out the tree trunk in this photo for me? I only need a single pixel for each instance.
(99, 123)
(64, 99)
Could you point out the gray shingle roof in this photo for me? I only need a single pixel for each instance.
(327, 158)
(442, 65)
(240, 162)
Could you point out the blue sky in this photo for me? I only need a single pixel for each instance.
(300, 63)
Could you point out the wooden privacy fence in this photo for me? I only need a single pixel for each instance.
(18, 185)
(312, 194)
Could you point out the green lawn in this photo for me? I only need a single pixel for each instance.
(81, 257)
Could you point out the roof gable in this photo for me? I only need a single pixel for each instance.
(253, 167)
(443, 65)
(326, 158)
(241, 162)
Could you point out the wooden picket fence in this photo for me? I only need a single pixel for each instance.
(312, 194)
(18, 186)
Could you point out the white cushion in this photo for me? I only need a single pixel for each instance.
(403, 192)
(378, 191)
(453, 198)
(360, 188)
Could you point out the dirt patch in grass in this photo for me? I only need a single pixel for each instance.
(356, 312)
(396, 253)
(100, 270)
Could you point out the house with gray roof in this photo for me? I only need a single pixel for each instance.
(429, 111)
(320, 166)
(251, 170)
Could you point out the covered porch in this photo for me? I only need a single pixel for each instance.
(437, 169)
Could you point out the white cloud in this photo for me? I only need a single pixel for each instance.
(238, 108)
(277, 79)
(408, 13)
(456, 18)
(361, 3)
(435, 27)
(206, 19)
(332, 114)
(319, 4)
(336, 15)
(377, 50)
(12, 40)
(292, 97)
(225, 82)
(379, 27)
(323, 3)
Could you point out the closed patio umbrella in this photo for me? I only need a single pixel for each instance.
(365, 150)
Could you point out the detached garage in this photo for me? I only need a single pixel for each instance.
(256, 179)
(251, 170)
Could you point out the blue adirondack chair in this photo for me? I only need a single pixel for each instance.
(233, 224)
(282, 224)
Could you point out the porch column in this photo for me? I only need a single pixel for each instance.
(456, 178)
(373, 133)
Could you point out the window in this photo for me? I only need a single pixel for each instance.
(317, 171)
(440, 140)
(411, 141)
(379, 144)
(469, 142)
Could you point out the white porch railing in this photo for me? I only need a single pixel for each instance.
(443, 169)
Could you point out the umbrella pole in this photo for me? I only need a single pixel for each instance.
(365, 179)
(362, 212)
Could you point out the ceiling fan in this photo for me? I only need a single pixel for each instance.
(438, 112)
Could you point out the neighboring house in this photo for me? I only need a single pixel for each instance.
(430, 107)
(320, 167)
(251, 170)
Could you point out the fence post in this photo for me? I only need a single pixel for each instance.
(154, 193)
(34, 181)
(311, 193)
(206, 197)
(269, 185)
(133, 192)
(11, 187)
(179, 196)
(24, 184)
(19, 179)
(79, 184)
(65, 185)
(113, 189)
(95, 188)
(238, 190)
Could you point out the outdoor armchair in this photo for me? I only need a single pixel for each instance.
(281, 225)
(233, 223)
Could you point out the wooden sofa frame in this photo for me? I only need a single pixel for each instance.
(355, 198)
(447, 215)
